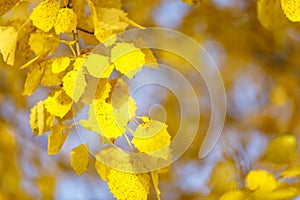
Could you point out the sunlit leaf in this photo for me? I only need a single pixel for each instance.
(152, 138)
(44, 15)
(66, 21)
(127, 58)
(128, 186)
(59, 104)
(8, 42)
(80, 158)
(57, 138)
(282, 149)
(261, 181)
(291, 9)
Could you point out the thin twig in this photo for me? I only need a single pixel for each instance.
(75, 33)
(129, 143)
(77, 49)
(86, 31)
(155, 187)
(73, 51)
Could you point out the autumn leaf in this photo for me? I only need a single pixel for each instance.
(153, 138)
(57, 138)
(127, 58)
(37, 119)
(282, 149)
(33, 79)
(261, 181)
(41, 43)
(291, 172)
(6, 5)
(98, 66)
(74, 84)
(128, 186)
(59, 104)
(60, 64)
(8, 43)
(44, 15)
(80, 158)
(66, 21)
(291, 9)
(232, 195)
(270, 14)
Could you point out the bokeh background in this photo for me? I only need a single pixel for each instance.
(261, 73)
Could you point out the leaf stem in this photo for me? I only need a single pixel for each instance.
(129, 143)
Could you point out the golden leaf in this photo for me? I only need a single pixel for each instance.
(44, 15)
(8, 43)
(80, 158)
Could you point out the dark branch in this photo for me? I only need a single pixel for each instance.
(83, 30)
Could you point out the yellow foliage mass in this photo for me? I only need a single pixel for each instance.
(8, 43)
(80, 158)
(44, 15)
(127, 58)
(66, 21)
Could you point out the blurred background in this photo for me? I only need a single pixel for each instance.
(260, 68)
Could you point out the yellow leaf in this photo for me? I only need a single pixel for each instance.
(121, 100)
(128, 186)
(97, 89)
(49, 78)
(80, 158)
(145, 119)
(74, 84)
(131, 106)
(78, 62)
(103, 89)
(98, 66)
(107, 21)
(109, 119)
(6, 5)
(91, 123)
(150, 60)
(261, 181)
(270, 14)
(291, 172)
(44, 15)
(111, 126)
(40, 120)
(153, 138)
(59, 104)
(46, 185)
(57, 138)
(291, 9)
(33, 79)
(8, 43)
(279, 95)
(282, 149)
(37, 119)
(232, 195)
(102, 170)
(60, 64)
(41, 43)
(224, 177)
(127, 58)
(281, 193)
(23, 44)
(66, 21)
